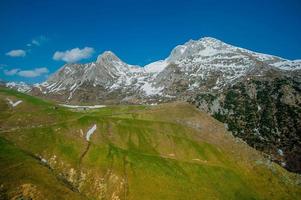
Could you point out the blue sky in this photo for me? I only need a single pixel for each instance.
(138, 31)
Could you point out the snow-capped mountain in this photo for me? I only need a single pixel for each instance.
(203, 65)
(107, 73)
(212, 65)
(19, 86)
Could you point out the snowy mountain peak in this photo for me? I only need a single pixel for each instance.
(213, 43)
(204, 47)
(210, 40)
(107, 56)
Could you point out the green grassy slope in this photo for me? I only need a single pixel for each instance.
(170, 151)
(23, 176)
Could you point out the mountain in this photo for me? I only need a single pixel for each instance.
(19, 86)
(167, 151)
(256, 95)
(204, 65)
(97, 81)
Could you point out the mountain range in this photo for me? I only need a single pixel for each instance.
(205, 65)
(257, 96)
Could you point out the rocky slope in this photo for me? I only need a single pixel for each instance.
(229, 82)
(265, 112)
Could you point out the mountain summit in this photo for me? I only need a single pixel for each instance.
(107, 57)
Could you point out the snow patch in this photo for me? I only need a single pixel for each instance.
(90, 132)
(258, 108)
(156, 67)
(14, 104)
(288, 65)
(149, 90)
(182, 50)
(73, 86)
(77, 106)
(280, 152)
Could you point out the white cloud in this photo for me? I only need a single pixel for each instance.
(38, 41)
(16, 53)
(73, 55)
(42, 70)
(35, 42)
(33, 73)
(11, 72)
(28, 73)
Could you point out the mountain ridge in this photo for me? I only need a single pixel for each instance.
(203, 52)
(196, 61)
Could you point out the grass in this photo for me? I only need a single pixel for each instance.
(170, 151)
(19, 170)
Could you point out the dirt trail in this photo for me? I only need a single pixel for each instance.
(79, 167)
(84, 153)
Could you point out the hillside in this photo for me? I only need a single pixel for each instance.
(264, 112)
(168, 151)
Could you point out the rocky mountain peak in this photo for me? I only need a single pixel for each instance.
(107, 56)
(210, 41)
(206, 46)
(214, 43)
